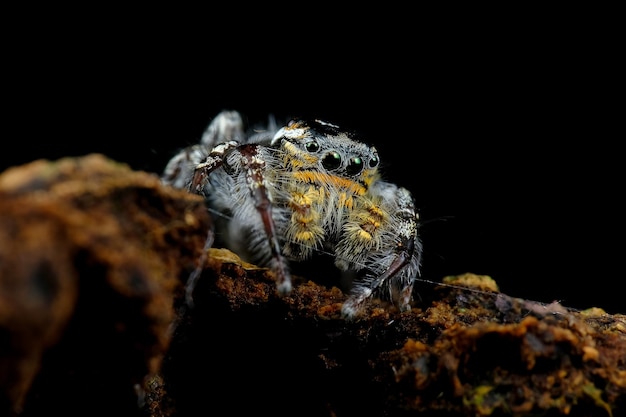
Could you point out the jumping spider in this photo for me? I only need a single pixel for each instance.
(283, 194)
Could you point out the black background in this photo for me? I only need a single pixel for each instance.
(507, 130)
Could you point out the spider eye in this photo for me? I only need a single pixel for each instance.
(312, 147)
(355, 165)
(332, 160)
(374, 162)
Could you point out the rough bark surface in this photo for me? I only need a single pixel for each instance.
(93, 321)
(90, 259)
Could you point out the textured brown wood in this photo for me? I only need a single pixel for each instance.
(90, 259)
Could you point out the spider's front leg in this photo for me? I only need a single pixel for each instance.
(408, 247)
(214, 160)
(225, 127)
(388, 249)
(202, 170)
(253, 165)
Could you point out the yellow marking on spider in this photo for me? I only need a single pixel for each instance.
(365, 235)
(376, 211)
(301, 203)
(303, 200)
(304, 219)
(321, 178)
(296, 157)
(304, 236)
(373, 223)
(346, 200)
(297, 125)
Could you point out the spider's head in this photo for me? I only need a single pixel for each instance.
(322, 147)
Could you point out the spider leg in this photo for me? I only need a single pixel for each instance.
(190, 285)
(402, 267)
(226, 126)
(214, 160)
(361, 293)
(180, 168)
(254, 166)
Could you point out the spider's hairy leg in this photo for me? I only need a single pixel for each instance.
(409, 246)
(254, 166)
(304, 233)
(225, 127)
(214, 160)
(362, 234)
(179, 169)
(399, 259)
(190, 285)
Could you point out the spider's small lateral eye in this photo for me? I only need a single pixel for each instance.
(312, 147)
(332, 160)
(374, 162)
(355, 165)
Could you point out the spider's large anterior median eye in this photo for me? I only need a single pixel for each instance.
(355, 165)
(312, 146)
(332, 160)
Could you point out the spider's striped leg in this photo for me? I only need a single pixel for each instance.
(364, 290)
(410, 244)
(400, 258)
(226, 126)
(254, 166)
(179, 170)
(213, 161)
(190, 285)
